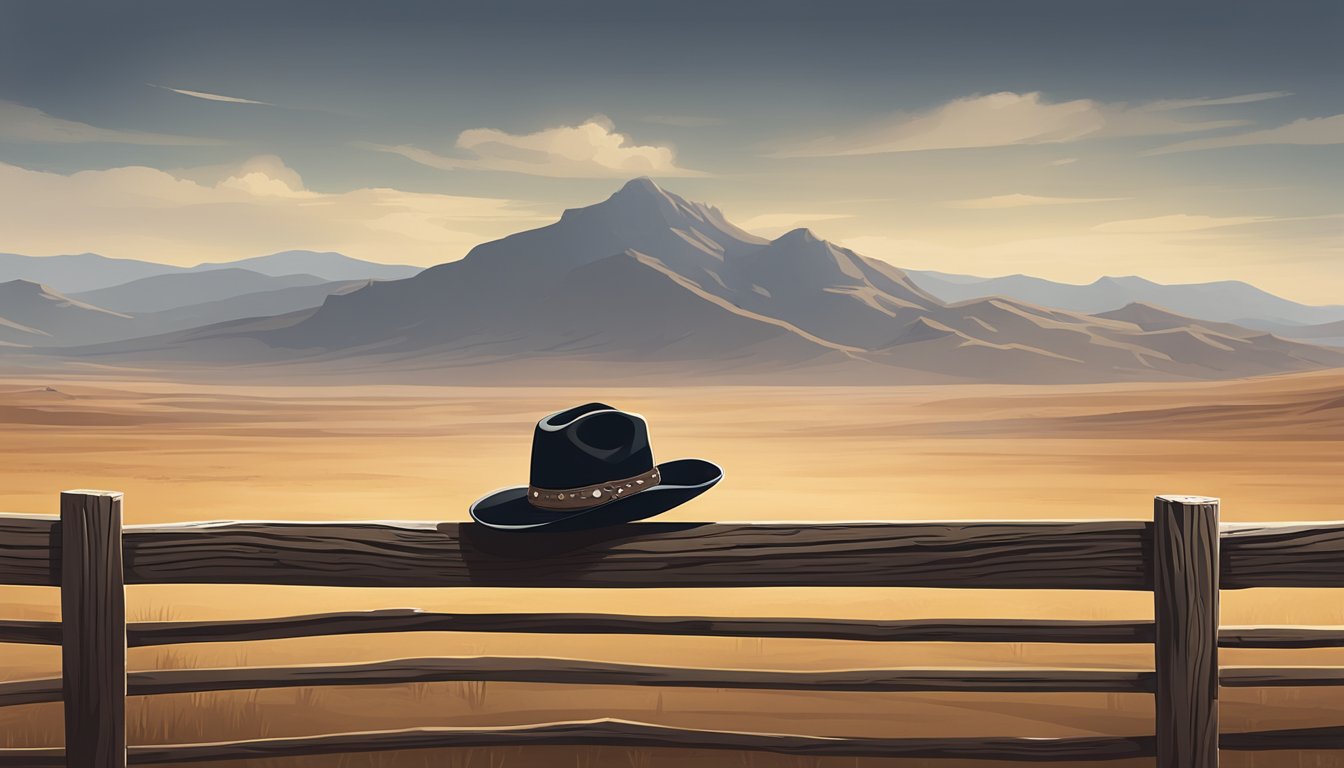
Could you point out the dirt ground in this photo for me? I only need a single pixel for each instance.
(1272, 449)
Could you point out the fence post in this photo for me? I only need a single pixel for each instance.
(1185, 610)
(93, 629)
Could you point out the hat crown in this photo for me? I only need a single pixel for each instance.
(589, 445)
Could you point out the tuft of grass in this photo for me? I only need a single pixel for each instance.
(473, 692)
(153, 612)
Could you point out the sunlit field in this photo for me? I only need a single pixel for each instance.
(1272, 449)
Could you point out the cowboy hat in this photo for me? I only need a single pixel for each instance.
(592, 466)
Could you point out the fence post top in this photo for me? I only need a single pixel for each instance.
(1182, 499)
(91, 492)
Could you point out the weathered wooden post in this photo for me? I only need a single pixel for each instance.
(1185, 609)
(93, 630)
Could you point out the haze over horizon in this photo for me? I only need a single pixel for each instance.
(1051, 139)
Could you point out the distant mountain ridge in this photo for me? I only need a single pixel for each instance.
(81, 273)
(1224, 301)
(649, 286)
(35, 315)
(184, 289)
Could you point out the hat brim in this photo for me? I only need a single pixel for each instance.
(682, 480)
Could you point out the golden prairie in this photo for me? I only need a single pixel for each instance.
(1272, 449)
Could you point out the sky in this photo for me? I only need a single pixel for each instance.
(1184, 142)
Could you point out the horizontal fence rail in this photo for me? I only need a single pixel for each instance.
(572, 671)
(1048, 555)
(141, 634)
(1281, 637)
(1081, 555)
(1281, 677)
(153, 633)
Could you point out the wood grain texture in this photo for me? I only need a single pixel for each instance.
(910, 554)
(1281, 637)
(1185, 609)
(93, 648)
(620, 733)
(571, 671)
(1329, 737)
(1059, 555)
(1280, 677)
(32, 757)
(26, 546)
(18, 692)
(30, 632)
(1297, 555)
(141, 634)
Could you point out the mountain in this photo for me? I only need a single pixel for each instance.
(325, 265)
(77, 273)
(1330, 334)
(1226, 301)
(82, 273)
(33, 315)
(182, 289)
(647, 286)
(265, 303)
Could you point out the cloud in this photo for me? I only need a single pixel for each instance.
(1179, 222)
(1306, 131)
(260, 206)
(591, 149)
(1019, 200)
(1063, 161)
(22, 123)
(1247, 98)
(210, 96)
(779, 223)
(1007, 119)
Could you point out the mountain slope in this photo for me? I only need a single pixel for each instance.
(86, 272)
(1226, 301)
(264, 303)
(182, 289)
(77, 273)
(648, 285)
(32, 314)
(326, 265)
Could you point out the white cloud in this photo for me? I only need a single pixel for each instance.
(772, 224)
(1006, 119)
(209, 96)
(260, 206)
(22, 123)
(1063, 161)
(1246, 98)
(592, 149)
(1306, 131)
(1019, 200)
(1178, 222)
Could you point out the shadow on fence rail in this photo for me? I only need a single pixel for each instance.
(1182, 556)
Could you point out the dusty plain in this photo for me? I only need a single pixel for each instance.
(1271, 448)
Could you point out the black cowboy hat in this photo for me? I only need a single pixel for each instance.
(592, 466)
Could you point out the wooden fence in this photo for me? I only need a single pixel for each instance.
(1182, 556)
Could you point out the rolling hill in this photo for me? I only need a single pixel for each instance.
(33, 315)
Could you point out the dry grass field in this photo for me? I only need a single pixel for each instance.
(1272, 449)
